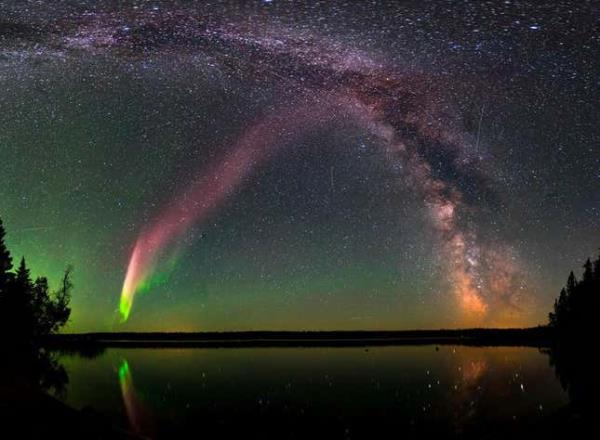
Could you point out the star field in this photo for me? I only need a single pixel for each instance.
(301, 165)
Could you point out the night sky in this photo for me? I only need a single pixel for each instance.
(301, 165)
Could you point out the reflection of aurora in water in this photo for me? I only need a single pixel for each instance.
(254, 391)
(133, 406)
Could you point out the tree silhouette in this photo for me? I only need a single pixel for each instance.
(574, 322)
(5, 263)
(576, 307)
(29, 310)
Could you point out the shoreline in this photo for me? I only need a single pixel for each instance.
(531, 337)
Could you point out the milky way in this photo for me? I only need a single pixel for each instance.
(398, 108)
(409, 111)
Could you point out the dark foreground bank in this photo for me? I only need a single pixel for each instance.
(534, 337)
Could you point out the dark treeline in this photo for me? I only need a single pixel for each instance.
(30, 372)
(535, 336)
(574, 324)
(29, 310)
(576, 308)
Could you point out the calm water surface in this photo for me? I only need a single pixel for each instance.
(299, 392)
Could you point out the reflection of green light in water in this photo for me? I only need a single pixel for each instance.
(129, 397)
(123, 371)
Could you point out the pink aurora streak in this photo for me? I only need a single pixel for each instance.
(206, 194)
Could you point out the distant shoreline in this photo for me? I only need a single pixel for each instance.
(531, 337)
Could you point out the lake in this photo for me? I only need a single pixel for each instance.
(353, 392)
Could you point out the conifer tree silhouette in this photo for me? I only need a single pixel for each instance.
(28, 309)
(574, 322)
(5, 263)
(577, 304)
